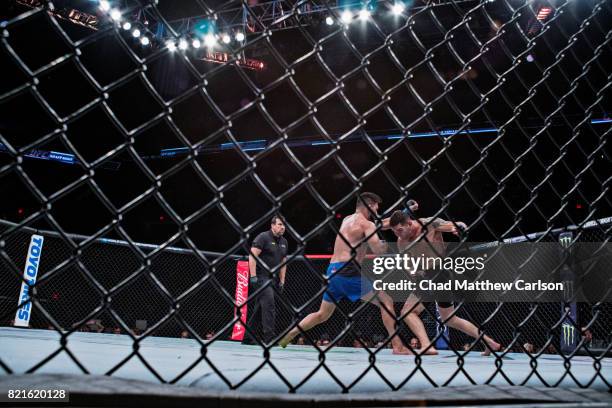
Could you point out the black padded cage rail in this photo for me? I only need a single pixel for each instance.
(494, 113)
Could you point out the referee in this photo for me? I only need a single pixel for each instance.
(268, 251)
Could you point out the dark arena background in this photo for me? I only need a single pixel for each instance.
(146, 143)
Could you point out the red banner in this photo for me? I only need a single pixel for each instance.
(242, 293)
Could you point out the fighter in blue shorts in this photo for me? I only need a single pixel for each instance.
(346, 282)
(357, 234)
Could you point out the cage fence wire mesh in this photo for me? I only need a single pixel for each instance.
(187, 128)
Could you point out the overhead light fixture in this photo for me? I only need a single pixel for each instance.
(145, 40)
(240, 36)
(171, 45)
(210, 40)
(329, 20)
(196, 43)
(127, 25)
(115, 14)
(105, 5)
(136, 33)
(364, 14)
(226, 38)
(183, 45)
(398, 8)
(346, 17)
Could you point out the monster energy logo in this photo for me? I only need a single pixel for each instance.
(568, 333)
(565, 239)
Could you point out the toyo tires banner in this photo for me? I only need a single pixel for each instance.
(30, 271)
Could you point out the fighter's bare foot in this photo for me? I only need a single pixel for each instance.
(399, 348)
(492, 346)
(404, 351)
(429, 352)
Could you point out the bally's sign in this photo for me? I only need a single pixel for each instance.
(22, 317)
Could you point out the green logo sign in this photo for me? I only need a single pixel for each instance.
(565, 239)
(568, 333)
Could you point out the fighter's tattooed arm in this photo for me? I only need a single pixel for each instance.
(438, 224)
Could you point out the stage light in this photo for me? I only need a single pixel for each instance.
(364, 14)
(398, 8)
(196, 43)
(239, 36)
(145, 40)
(346, 17)
(115, 14)
(104, 5)
(127, 25)
(226, 38)
(530, 58)
(136, 33)
(170, 45)
(203, 26)
(329, 20)
(183, 45)
(543, 13)
(210, 40)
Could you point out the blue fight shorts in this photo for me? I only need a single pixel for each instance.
(347, 283)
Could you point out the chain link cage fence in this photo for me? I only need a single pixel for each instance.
(209, 309)
(188, 127)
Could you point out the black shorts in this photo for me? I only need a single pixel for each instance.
(420, 294)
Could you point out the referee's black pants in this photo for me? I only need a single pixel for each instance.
(264, 304)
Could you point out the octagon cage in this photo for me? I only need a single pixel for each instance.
(196, 198)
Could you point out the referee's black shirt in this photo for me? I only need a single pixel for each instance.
(273, 251)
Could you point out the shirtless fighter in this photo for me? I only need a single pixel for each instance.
(345, 280)
(427, 233)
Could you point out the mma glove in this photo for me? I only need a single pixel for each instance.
(410, 206)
